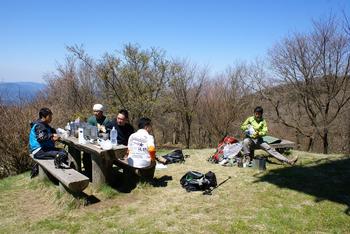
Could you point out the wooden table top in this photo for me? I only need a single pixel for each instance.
(89, 147)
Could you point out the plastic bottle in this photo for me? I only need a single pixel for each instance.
(67, 128)
(114, 136)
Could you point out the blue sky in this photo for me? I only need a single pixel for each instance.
(33, 34)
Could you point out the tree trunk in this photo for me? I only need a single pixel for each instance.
(310, 145)
(175, 137)
(348, 135)
(325, 141)
(188, 135)
(297, 136)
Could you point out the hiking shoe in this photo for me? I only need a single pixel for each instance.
(293, 160)
(223, 162)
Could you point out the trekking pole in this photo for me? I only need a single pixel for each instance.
(209, 191)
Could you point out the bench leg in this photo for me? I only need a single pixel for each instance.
(43, 175)
(64, 189)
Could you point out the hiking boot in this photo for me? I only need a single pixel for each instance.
(60, 162)
(293, 160)
(35, 170)
(57, 161)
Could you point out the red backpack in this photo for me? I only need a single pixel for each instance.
(219, 153)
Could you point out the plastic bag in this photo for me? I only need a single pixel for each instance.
(231, 150)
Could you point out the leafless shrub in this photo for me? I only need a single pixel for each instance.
(14, 129)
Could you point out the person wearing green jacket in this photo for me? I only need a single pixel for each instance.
(255, 128)
(98, 119)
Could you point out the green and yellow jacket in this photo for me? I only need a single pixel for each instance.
(260, 126)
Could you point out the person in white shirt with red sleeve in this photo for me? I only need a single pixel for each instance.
(141, 148)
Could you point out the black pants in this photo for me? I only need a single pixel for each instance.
(50, 153)
(87, 164)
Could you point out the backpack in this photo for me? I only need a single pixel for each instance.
(219, 153)
(174, 157)
(196, 181)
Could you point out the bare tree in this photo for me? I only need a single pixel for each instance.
(186, 85)
(315, 69)
(224, 102)
(72, 89)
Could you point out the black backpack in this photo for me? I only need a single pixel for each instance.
(196, 181)
(174, 157)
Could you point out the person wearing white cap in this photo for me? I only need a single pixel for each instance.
(98, 119)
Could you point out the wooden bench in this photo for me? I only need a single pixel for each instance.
(145, 173)
(69, 180)
(101, 161)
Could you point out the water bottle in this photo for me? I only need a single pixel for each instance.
(67, 128)
(94, 132)
(113, 136)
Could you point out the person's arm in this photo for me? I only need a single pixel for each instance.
(151, 148)
(42, 133)
(245, 124)
(264, 129)
(53, 130)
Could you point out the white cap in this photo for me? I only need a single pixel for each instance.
(97, 107)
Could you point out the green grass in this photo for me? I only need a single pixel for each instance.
(312, 197)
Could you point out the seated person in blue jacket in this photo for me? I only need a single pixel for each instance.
(42, 138)
(122, 125)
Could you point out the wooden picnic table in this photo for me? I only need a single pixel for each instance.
(101, 160)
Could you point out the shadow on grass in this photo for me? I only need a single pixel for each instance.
(90, 199)
(126, 182)
(326, 180)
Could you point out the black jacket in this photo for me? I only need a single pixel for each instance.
(124, 132)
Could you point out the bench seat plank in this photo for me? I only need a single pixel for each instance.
(283, 144)
(70, 178)
(146, 172)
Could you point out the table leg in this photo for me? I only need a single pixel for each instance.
(76, 155)
(101, 169)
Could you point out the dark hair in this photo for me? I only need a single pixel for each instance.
(258, 109)
(143, 122)
(44, 112)
(125, 113)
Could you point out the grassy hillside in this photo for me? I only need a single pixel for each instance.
(312, 197)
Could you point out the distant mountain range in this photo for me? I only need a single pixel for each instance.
(14, 92)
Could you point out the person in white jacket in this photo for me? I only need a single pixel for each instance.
(141, 148)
